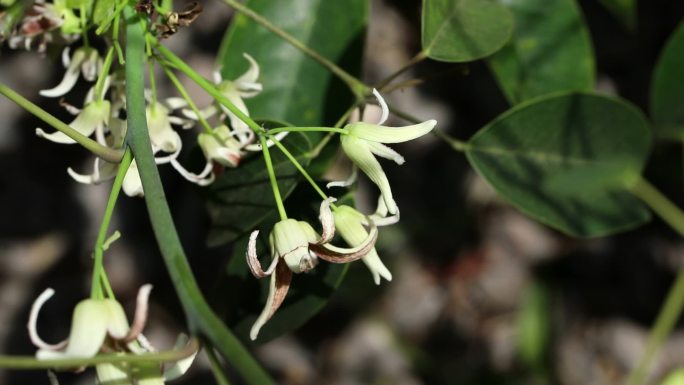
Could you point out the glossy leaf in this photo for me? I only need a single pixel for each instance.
(241, 197)
(308, 293)
(567, 160)
(296, 88)
(667, 89)
(550, 51)
(464, 30)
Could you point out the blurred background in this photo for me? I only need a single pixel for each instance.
(481, 294)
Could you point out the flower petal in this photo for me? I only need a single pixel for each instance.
(360, 153)
(383, 134)
(334, 254)
(376, 267)
(132, 185)
(69, 79)
(252, 73)
(199, 179)
(91, 65)
(345, 183)
(327, 221)
(140, 317)
(33, 321)
(253, 259)
(383, 151)
(383, 106)
(88, 331)
(179, 368)
(280, 284)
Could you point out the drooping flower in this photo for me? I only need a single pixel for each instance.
(100, 325)
(351, 225)
(93, 118)
(295, 248)
(86, 61)
(220, 146)
(364, 140)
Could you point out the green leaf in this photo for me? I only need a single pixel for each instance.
(667, 89)
(241, 198)
(567, 160)
(296, 88)
(308, 292)
(464, 30)
(623, 10)
(550, 51)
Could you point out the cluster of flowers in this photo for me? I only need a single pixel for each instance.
(101, 326)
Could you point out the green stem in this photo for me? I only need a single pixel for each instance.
(674, 303)
(153, 82)
(326, 139)
(307, 129)
(98, 253)
(32, 363)
(358, 88)
(299, 167)
(272, 177)
(106, 153)
(201, 319)
(456, 144)
(188, 99)
(415, 60)
(207, 86)
(216, 367)
(99, 85)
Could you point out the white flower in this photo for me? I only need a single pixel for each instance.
(220, 146)
(85, 61)
(363, 140)
(350, 223)
(101, 325)
(299, 246)
(93, 118)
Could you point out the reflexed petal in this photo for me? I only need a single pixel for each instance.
(279, 286)
(345, 183)
(360, 153)
(140, 317)
(33, 322)
(380, 217)
(336, 254)
(88, 331)
(383, 151)
(269, 142)
(241, 128)
(383, 134)
(199, 179)
(206, 113)
(174, 103)
(93, 115)
(251, 75)
(327, 221)
(70, 77)
(383, 107)
(253, 259)
(101, 171)
(117, 323)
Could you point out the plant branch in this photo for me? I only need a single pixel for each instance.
(415, 60)
(358, 88)
(106, 153)
(272, 177)
(674, 303)
(201, 319)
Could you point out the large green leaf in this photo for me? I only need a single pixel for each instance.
(241, 197)
(464, 30)
(550, 50)
(296, 88)
(567, 160)
(308, 292)
(667, 89)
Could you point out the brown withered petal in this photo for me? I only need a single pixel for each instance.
(283, 279)
(190, 13)
(253, 259)
(334, 254)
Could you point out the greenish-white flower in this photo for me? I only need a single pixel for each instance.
(85, 61)
(101, 325)
(295, 248)
(220, 146)
(93, 118)
(365, 140)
